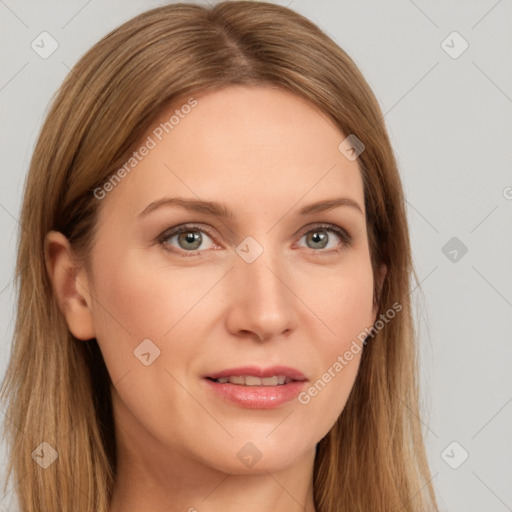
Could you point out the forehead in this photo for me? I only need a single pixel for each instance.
(245, 146)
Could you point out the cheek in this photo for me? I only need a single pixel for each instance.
(138, 298)
(135, 302)
(345, 307)
(142, 299)
(131, 304)
(342, 299)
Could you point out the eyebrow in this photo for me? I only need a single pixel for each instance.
(220, 210)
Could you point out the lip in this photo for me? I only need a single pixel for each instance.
(257, 397)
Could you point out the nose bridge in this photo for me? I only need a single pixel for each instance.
(262, 301)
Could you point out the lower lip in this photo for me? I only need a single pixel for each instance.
(257, 397)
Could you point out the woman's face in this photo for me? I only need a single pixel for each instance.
(267, 286)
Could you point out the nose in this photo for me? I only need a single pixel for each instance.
(262, 303)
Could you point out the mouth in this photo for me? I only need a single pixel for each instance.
(256, 388)
(251, 380)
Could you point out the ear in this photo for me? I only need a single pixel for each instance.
(383, 270)
(70, 286)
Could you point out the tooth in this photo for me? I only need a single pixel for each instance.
(270, 381)
(250, 380)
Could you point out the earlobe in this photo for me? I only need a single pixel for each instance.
(70, 286)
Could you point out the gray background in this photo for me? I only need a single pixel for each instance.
(450, 123)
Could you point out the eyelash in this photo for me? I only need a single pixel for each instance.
(342, 234)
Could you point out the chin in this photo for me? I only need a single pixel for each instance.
(257, 457)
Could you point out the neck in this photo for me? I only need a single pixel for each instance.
(184, 485)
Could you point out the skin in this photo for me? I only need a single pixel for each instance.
(264, 153)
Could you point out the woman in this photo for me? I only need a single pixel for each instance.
(213, 278)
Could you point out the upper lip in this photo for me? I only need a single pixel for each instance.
(291, 373)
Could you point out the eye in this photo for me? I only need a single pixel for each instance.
(188, 238)
(319, 238)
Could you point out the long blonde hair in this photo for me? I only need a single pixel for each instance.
(57, 388)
